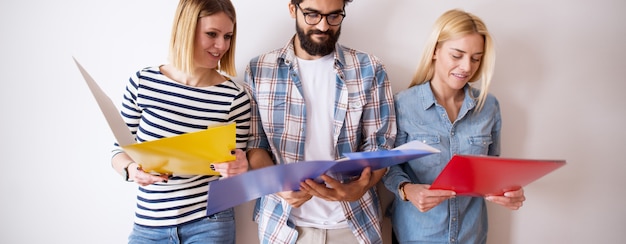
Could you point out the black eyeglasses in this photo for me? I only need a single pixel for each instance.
(314, 18)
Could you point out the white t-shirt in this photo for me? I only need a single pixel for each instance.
(318, 86)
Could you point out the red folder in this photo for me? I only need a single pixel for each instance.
(470, 175)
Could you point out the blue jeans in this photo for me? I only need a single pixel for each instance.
(217, 228)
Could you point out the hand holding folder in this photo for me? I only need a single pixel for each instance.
(287, 177)
(189, 154)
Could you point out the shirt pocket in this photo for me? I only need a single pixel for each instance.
(430, 160)
(276, 111)
(479, 145)
(272, 112)
(355, 108)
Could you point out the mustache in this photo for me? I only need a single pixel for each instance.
(311, 32)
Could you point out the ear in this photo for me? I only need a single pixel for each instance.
(435, 53)
(292, 10)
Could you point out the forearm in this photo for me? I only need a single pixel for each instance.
(377, 175)
(259, 158)
(120, 161)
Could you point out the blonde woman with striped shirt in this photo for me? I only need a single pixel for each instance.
(191, 93)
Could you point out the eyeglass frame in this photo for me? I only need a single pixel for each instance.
(322, 16)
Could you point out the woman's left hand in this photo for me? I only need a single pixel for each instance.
(512, 199)
(232, 168)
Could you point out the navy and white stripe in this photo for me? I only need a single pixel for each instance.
(155, 107)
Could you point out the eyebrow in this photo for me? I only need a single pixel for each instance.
(213, 29)
(461, 51)
(317, 11)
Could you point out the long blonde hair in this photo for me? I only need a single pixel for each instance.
(184, 33)
(451, 25)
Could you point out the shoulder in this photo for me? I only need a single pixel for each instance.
(404, 94)
(236, 87)
(149, 73)
(267, 57)
(413, 92)
(149, 70)
(415, 98)
(491, 105)
(274, 57)
(351, 56)
(475, 92)
(491, 102)
(490, 99)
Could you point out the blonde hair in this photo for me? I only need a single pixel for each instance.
(183, 35)
(451, 25)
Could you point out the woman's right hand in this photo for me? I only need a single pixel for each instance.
(425, 199)
(142, 178)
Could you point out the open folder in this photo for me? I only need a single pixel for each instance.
(186, 154)
(232, 191)
(489, 175)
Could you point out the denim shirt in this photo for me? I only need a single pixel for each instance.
(461, 219)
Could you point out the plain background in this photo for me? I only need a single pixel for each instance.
(559, 78)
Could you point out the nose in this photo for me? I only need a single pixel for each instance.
(466, 64)
(219, 43)
(323, 24)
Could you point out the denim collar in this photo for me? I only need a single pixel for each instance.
(425, 92)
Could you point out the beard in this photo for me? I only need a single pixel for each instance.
(317, 49)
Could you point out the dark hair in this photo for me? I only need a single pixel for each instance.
(294, 2)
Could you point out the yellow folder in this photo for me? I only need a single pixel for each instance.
(186, 154)
(189, 154)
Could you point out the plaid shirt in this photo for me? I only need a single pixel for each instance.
(364, 121)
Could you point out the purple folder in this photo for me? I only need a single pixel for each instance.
(232, 191)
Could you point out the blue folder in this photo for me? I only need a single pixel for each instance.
(232, 191)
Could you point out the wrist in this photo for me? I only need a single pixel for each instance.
(126, 171)
(401, 191)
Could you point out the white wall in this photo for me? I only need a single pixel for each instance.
(559, 78)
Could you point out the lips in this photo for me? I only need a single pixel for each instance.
(460, 76)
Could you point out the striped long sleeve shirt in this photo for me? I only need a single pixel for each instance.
(155, 107)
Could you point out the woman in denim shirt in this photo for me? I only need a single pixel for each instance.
(441, 109)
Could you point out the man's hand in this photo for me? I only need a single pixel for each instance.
(333, 190)
(294, 198)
